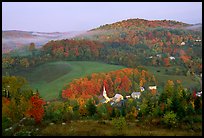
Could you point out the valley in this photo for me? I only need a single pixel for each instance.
(58, 81)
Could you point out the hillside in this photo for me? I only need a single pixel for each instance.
(134, 31)
(131, 43)
(142, 23)
(50, 78)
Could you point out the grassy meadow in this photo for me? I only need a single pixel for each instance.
(162, 77)
(50, 78)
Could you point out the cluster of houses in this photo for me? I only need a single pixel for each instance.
(159, 55)
(119, 98)
(198, 40)
(199, 94)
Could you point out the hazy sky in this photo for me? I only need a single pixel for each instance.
(81, 16)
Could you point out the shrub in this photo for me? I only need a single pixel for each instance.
(91, 107)
(102, 111)
(76, 115)
(132, 115)
(198, 105)
(169, 119)
(83, 111)
(67, 116)
(54, 112)
(119, 123)
(6, 122)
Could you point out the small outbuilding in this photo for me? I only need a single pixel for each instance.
(136, 95)
(183, 43)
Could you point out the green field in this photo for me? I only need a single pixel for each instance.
(51, 77)
(162, 77)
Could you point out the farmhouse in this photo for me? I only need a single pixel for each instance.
(159, 55)
(152, 87)
(128, 96)
(136, 95)
(198, 40)
(142, 89)
(172, 58)
(199, 94)
(117, 98)
(183, 43)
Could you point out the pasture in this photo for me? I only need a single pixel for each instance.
(162, 77)
(50, 78)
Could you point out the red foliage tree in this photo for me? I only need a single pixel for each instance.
(114, 81)
(37, 110)
(166, 62)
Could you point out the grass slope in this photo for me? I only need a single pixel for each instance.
(51, 77)
(162, 77)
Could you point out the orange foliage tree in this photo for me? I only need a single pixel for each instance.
(115, 82)
(37, 110)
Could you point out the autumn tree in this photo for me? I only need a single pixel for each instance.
(37, 109)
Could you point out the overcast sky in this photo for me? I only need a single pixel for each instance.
(81, 16)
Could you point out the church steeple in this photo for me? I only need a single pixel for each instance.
(105, 95)
(104, 90)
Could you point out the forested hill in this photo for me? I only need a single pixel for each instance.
(140, 31)
(142, 23)
(131, 43)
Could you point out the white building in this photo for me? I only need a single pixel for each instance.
(159, 55)
(105, 95)
(172, 58)
(142, 89)
(198, 40)
(152, 87)
(199, 94)
(128, 96)
(183, 43)
(117, 98)
(136, 95)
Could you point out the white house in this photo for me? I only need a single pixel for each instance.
(142, 89)
(152, 87)
(198, 40)
(159, 55)
(199, 94)
(128, 96)
(136, 95)
(172, 58)
(117, 98)
(183, 43)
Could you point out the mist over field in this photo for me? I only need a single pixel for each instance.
(12, 40)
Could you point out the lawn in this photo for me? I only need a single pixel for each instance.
(50, 78)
